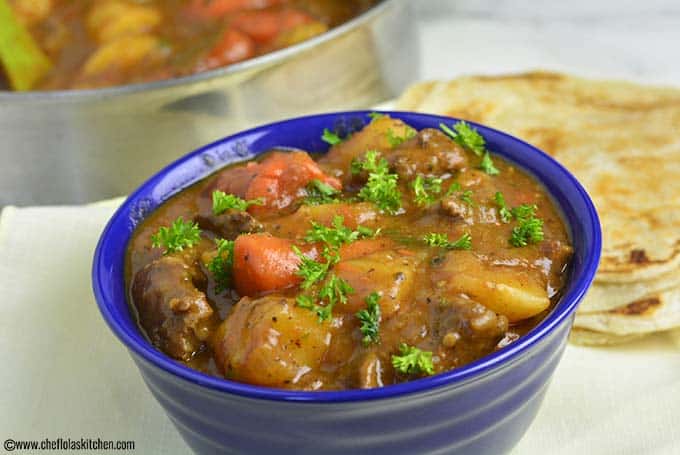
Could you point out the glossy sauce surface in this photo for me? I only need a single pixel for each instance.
(457, 304)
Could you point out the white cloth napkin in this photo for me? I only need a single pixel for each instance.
(63, 374)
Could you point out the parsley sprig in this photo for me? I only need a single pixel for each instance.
(223, 202)
(413, 361)
(179, 235)
(466, 196)
(370, 319)
(440, 240)
(487, 165)
(381, 186)
(334, 289)
(426, 190)
(503, 211)
(222, 264)
(529, 228)
(310, 270)
(330, 137)
(338, 234)
(396, 141)
(319, 193)
(469, 138)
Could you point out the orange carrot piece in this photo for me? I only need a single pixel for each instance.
(233, 46)
(263, 263)
(280, 179)
(265, 25)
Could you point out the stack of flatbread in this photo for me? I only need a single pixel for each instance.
(622, 141)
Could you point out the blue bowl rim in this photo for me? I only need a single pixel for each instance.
(478, 368)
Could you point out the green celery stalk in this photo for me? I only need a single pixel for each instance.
(24, 62)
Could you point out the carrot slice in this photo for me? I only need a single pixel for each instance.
(265, 25)
(216, 9)
(263, 263)
(278, 180)
(233, 46)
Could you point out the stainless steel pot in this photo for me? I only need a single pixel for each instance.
(85, 145)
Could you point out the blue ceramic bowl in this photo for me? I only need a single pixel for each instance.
(484, 407)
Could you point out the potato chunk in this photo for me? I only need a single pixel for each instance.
(272, 342)
(120, 54)
(112, 19)
(517, 292)
(298, 223)
(375, 136)
(388, 273)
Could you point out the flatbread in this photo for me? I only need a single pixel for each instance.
(652, 313)
(592, 338)
(603, 296)
(415, 94)
(621, 140)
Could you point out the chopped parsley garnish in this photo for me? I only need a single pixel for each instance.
(324, 312)
(469, 138)
(181, 234)
(330, 137)
(426, 189)
(381, 186)
(487, 165)
(503, 211)
(338, 234)
(529, 229)
(466, 196)
(333, 291)
(466, 136)
(221, 265)
(455, 186)
(370, 163)
(441, 240)
(370, 319)
(310, 270)
(524, 211)
(223, 202)
(319, 193)
(396, 141)
(413, 361)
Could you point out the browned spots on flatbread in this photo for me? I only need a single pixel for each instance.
(546, 139)
(638, 256)
(639, 307)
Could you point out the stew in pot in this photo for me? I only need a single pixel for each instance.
(103, 43)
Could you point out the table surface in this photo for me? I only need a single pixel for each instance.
(622, 400)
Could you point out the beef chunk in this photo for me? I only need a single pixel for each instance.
(174, 313)
(229, 224)
(430, 152)
(468, 329)
(454, 207)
